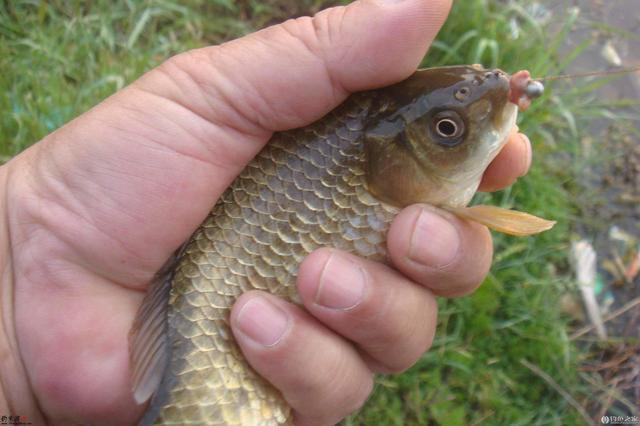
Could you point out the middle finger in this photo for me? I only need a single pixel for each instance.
(388, 317)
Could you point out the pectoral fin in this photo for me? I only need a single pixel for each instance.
(511, 222)
(148, 341)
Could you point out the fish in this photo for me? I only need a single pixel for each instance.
(338, 182)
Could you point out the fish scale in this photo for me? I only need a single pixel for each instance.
(336, 183)
(255, 239)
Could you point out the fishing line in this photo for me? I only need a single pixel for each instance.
(591, 74)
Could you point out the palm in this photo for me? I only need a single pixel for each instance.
(98, 206)
(80, 278)
(126, 192)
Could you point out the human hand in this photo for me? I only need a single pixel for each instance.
(95, 208)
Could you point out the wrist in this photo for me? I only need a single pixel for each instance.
(16, 397)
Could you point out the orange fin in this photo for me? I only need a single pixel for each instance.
(511, 222)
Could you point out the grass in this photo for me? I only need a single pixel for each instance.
(59, 59)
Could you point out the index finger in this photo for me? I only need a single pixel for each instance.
(512, 162)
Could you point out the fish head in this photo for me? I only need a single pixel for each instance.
(430, 137)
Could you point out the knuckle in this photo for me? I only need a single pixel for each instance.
(316, 36)
(359, 396)
(402, 342)
(413, 347)
(304, 31)
(351, 396)
(340, 390)
(322, 30)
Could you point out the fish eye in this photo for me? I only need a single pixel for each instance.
(447, 128)
(462, 93)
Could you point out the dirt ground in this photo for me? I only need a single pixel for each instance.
(614, 28)
(611, 201)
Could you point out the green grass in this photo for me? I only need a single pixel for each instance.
(59, 60)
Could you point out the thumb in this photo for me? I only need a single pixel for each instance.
(291, 74)
(162, 150)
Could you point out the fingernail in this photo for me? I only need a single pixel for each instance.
(435, 241)
(528, 153)
(342, 284)
(262, 321)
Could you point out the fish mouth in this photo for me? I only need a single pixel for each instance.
(523, 89)
(499, 80)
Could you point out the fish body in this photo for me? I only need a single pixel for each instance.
(337, 183)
